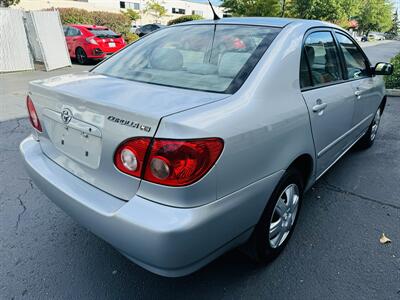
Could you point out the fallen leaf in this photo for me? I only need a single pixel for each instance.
(384, 239)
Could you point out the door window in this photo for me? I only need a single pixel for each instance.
(73, 31)
(322, 57)
(354, 59)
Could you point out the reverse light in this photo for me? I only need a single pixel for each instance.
(130, 155)
(168, 162)
(33, 117)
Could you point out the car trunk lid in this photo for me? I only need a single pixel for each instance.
(86, 116)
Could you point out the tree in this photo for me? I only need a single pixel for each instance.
(131, 14)
(326, 10)
(252, 8)
(375, 15)
(156, 9)
(7, 3)
(395, 24)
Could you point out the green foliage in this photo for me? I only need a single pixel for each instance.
(393, 81)
(375, 15)
(394, 30)
(251, 8)
(130, 37)
(131, 14)
(156, 9)
(326, 10)
(183, 19)
(7, 3)
(118, 22)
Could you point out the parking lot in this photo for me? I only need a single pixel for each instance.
(334, 253)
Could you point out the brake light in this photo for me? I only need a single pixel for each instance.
(91, 40)
(33, 115)
(168, 162)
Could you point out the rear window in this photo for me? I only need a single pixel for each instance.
(216, 58)
(104, 33)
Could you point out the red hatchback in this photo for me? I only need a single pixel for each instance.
(91, 42)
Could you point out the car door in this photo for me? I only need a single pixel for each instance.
(329, 98)
(75, 36)
(365, 86)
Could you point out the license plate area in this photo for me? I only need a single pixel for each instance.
(78, 140)
(111, 45)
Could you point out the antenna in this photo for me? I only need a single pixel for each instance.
(215, 15)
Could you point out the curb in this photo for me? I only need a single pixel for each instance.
(393, 92)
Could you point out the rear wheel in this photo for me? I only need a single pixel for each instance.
(279, 218)
(81, 56)
(369, 137)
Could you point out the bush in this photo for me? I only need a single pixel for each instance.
(393, 81)
(117, 22)
(183, 19)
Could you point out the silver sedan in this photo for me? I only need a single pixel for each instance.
(203, 136)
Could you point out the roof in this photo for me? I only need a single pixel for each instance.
(87, 26)
(262, 21)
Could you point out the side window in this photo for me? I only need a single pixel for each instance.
(354, 59)
(65, 28)
(322, 57)
(74, 31)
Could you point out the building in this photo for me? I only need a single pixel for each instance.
(175, 8)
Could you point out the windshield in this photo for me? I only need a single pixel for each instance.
(216, 58)
(104, 32)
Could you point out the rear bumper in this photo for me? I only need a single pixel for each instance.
(165, 240)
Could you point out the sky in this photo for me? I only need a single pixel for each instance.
(216, 2)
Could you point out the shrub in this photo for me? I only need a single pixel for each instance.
(393, 81)
(183, 19)
(117, 22)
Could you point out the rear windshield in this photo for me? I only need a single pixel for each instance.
(103, 33)
(216, 58)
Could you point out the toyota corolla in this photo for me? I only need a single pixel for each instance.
(203, 137)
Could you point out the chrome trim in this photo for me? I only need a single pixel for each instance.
(341, 155)
(327, 148)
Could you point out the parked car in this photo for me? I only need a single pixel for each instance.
(376, 37)
(134, 28)
(364, 38)
(87, 42)
(146, 29)
(203, 136)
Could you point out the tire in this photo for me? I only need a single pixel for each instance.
(369, 137)
(265, 244)
(81, 56)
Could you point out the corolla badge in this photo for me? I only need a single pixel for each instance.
(66, 115)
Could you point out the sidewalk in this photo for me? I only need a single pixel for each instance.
(14, 87)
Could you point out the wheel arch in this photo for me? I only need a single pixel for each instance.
(304, 163)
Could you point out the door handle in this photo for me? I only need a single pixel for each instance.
(357, 94)
(319, 107)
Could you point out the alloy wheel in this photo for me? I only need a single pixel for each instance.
(284, 215)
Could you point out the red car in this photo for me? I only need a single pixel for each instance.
(87, 42)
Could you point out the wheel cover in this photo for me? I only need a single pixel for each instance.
(284, 215)
(375, 124)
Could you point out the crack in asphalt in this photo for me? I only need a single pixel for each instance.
(15, 128)
(21, 203)
(338, 189)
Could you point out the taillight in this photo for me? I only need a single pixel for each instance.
(169, 162)
(33, 115)
(91, 40)
(130, 155)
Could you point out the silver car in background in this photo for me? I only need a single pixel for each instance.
(203, 136)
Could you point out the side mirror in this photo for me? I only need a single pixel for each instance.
(382, 68)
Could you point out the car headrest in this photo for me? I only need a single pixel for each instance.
(231, 63)
(166, 59)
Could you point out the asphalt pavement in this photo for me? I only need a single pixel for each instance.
(334, 253)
